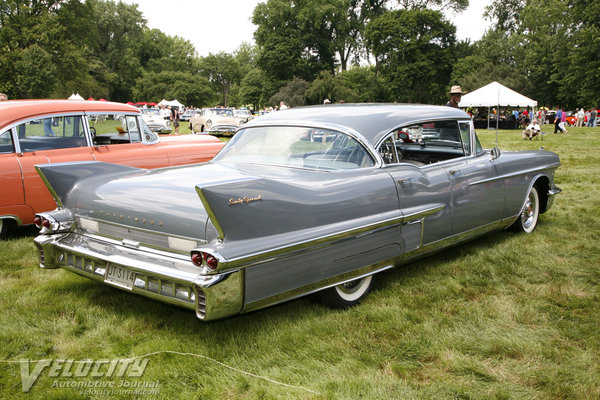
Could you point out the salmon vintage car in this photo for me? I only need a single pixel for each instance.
(53, 131)
(276, 215)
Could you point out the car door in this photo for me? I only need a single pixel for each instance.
(12, 197)
(51, 139)
(419, 189)
(477, 200)
(118, 140)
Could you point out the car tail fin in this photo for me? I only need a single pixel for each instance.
(60, 178)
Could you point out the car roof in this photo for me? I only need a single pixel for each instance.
(372, 121)
(14, 110)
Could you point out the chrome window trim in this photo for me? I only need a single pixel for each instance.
(458, 121)
(15, 135)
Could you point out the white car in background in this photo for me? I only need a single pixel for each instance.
(156, 121)
(243, 115)
(217, 121)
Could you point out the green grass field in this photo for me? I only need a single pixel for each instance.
(509, 316)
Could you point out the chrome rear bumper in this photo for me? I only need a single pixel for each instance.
(169, 279)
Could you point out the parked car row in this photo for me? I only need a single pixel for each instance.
(310, 200)
(57, 131)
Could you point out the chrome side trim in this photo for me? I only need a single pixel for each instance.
(321, 285)
(412, 213)
(432, 247)
(514, 174)
(15, 218)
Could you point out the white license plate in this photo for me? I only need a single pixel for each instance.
(120, 276)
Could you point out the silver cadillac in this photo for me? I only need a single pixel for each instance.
(308, 200)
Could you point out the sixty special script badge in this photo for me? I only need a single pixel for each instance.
(244, 200)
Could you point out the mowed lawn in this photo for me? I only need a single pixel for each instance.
(508, 316)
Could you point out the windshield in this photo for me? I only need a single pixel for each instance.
(296, 147)
(228, 112)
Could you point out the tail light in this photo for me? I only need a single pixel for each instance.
(200, 258)
(38, 221)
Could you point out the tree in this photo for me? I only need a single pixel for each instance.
(190, 89)
(293, 94)
(415, 49)
(251, 88)
(40, 46)
(222, 71)
(119, 29)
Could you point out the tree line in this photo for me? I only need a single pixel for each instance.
(305, 51)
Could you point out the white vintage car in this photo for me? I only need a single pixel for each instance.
(156, 121)
(218, 121)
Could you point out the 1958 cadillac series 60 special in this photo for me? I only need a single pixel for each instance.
(315, 199)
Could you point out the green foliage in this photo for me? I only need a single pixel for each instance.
(415, 51)
(223, 70)
(293, 94)
(189, 89)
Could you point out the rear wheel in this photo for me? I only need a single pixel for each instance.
(528, 218)
(346, 294)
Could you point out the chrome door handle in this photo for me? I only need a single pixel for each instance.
(400, 181)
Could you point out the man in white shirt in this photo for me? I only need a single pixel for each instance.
(533, 129)
(580, 117)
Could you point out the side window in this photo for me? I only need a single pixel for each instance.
(465, 135)
(6, 142)
(114, 129)
(51, 133)
(387, 150)
(426, 143)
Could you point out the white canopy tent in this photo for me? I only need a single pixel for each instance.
(75, 97)
(495, 95)
(172, 103)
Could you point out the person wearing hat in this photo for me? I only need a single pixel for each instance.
(455, 95)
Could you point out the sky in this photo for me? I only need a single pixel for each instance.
(213, 26)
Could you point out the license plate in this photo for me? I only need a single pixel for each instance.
(120, 276)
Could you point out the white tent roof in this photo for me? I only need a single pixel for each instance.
(172, 103)
(493, 95)
(75, 97)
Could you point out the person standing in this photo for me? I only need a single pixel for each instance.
(455, 96)
(557, 119)
(592, 120)
(175, 119)
(580, 117)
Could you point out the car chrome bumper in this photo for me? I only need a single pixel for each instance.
(551, 193)
(171, 280)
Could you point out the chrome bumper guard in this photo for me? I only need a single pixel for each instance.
(171, 280)
(551, 193)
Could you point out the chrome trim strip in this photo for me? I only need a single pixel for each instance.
(513, 174)
(16, 218)
(415, 213)
(554, 191)
(318, 286)
(441, 244)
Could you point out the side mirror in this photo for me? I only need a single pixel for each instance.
(495, 153)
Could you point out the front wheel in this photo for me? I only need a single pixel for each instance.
(346, 294)
(528, 218)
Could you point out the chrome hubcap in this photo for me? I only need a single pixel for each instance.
(528, 215)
